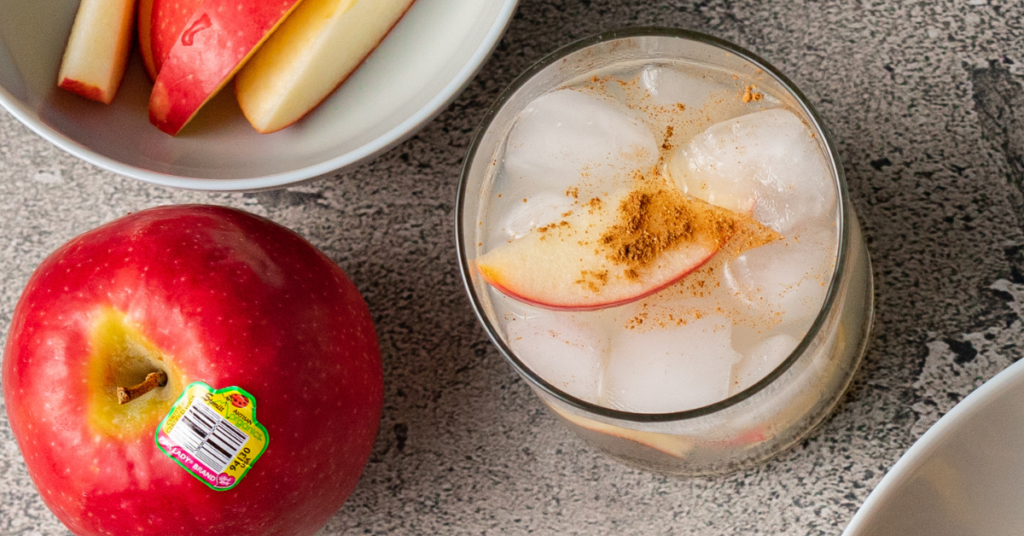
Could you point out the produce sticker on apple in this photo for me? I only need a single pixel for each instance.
(213, 434)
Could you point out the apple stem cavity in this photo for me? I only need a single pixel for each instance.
(152, 381)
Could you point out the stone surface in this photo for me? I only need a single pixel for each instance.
(926, 102)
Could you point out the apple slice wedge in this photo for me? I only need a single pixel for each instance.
(97, 51)
(143, 28)
(677, 446)
(608, 252)
(160, 24)
(217, 40)
(313, 52)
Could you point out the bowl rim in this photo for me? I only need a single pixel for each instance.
(1002, 384)
(404, 130)
(842, 256)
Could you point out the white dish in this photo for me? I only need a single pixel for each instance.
(965, 475)
(429, 57)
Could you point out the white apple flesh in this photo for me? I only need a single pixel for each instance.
(97, 51)
(309, 56)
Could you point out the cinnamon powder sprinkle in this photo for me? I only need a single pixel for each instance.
(551, 226)
(593, 281)
(667, 145)
(653, 221)
(751, 94)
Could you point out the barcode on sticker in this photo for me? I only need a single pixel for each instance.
(208, 436)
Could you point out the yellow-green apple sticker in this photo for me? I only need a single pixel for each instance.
(213, 434)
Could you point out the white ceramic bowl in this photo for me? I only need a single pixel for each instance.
(429, 57)
(964, 476)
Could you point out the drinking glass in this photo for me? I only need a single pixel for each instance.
(747, 427)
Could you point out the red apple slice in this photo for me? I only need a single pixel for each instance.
(313, 52)
(216, 42)
(97, 51)
(160, 24)
(614, 251)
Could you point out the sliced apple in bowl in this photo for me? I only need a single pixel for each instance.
(97, 51)
(217, 40)
(160, 24)
(309, 56)
(612, 251)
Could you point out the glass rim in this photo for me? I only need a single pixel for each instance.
(841, 254)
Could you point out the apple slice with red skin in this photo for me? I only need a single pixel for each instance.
(217, 40)
(677, 446)
(160, 24)
(97, 51)
(309, 56)
(615, 251)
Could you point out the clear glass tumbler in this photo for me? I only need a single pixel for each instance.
(751, 425)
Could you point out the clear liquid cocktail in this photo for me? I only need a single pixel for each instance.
(654, 230)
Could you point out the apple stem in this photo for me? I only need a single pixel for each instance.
(153, 380)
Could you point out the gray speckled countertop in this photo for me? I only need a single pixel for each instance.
(926, 100)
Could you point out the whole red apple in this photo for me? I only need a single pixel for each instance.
(199, 293)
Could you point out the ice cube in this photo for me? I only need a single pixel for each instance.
(669, 87)
(768, 161)
(565, 352)
(763, 358)
(527, 213)
(568, 139)
(786, 280)
(671, 368)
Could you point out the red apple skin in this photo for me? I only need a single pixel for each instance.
(233, 300)
(217, 40)
(88, 91)
(160, 24)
